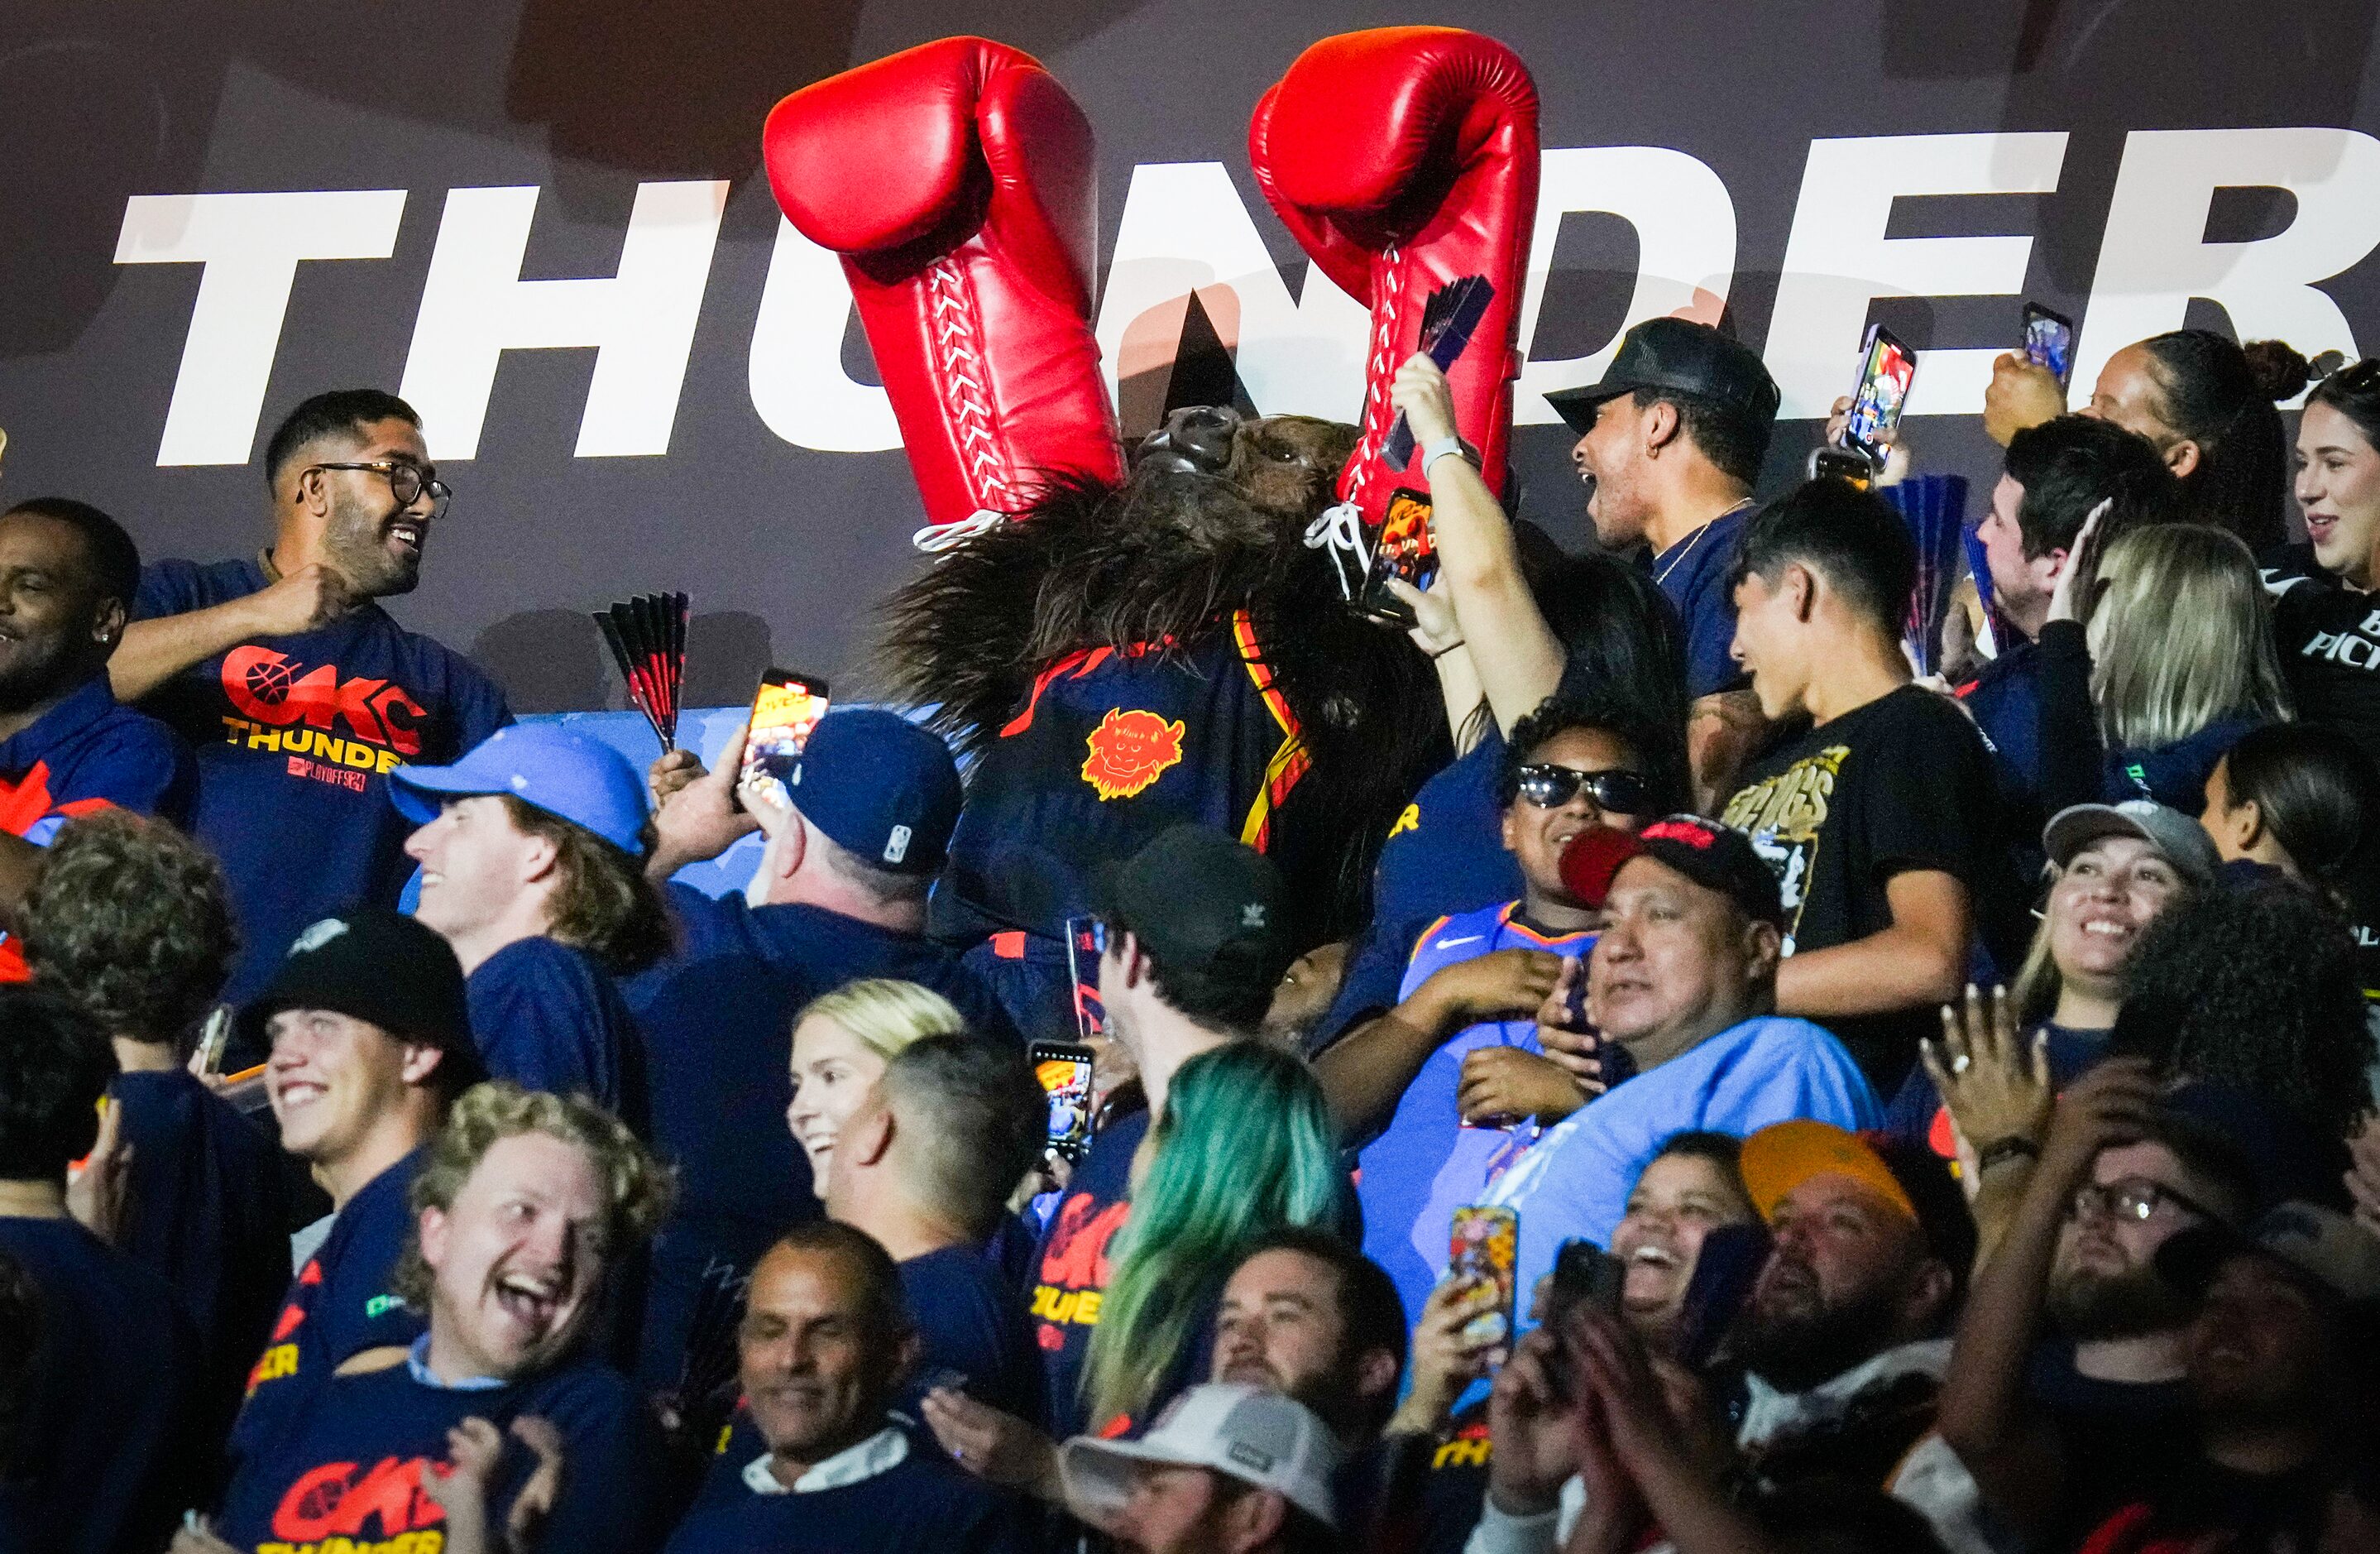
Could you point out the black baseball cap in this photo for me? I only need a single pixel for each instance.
(383, 968)
(1203, 904)
(1712, 855)
(1667, 353)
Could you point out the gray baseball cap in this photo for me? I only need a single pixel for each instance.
(2178, 839)
(1256, 1436)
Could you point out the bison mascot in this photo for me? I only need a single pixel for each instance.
(1125, 641)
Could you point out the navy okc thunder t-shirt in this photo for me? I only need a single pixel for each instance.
(294, 738)
(345, 1473)
(339, 1306)
(1071, 1280)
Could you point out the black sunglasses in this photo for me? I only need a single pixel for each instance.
(1614, 791)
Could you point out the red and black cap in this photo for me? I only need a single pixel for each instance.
(1704, 852)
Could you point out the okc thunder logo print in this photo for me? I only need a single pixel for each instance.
(1129, 751)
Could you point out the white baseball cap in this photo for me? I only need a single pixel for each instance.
(1257, 1437)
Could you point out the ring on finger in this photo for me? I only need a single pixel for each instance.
(1960, 1064)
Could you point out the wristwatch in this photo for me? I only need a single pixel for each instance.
(1438, 448)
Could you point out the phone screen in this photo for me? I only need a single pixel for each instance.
(1887, 368)
(2049, 341)
(784, 710)
(1486, 1244)
(1405, 549)
(1064, 1070)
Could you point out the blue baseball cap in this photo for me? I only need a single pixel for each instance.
(880, 787)
(546, 766)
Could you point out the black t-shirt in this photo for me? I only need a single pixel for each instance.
(1898, 785)
(2329, 641)
(103, 1448)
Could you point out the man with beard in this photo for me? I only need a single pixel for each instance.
(1839, 1343)
(524, 1203)
(1841, 1338)
(296, 688)
(68, 575)
(2123, 1172)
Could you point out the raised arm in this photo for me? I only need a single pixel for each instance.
(1517, 656)
(154, 650)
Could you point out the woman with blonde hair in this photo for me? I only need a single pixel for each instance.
(842, 1042)
(2157, 657)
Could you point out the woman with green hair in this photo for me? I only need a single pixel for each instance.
(1244, 1146)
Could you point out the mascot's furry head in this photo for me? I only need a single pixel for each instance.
(1211, 519)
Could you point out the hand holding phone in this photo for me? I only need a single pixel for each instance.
(1888, 368)
(1485, 1246)
(2049, 342)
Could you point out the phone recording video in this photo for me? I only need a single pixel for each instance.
(1886, 368)
(1406, 551)
(2049, 341)
(1064, 1070)
(784, 710)
(1485, 1245)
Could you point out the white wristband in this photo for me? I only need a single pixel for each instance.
(1438, 448)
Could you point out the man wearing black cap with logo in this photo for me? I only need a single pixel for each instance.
(1683, 978)
(370, 1040)
(1672, 441)
(1193, 942)
(855, 834)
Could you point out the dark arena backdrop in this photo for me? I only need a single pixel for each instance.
(543, 222)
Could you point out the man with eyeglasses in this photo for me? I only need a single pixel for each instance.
(2069, 1377)
(296, 690)
(1444, 1089)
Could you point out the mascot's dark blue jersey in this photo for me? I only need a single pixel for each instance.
(1109, 749)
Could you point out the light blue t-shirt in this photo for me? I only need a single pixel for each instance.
(1575, 1181)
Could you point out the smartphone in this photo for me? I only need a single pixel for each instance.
(1584, 1274)
(1486, 1244)
(213, 1037)
(1064, 1070)
(1886, 368)
(1842, 464)
(2049, 341)
(1083, 971)
(1725, 1270)
(1404, 550)
(787, 707)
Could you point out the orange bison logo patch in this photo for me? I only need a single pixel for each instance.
(1129, 751)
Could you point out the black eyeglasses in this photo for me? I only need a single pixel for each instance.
(1615, 792)
(407, 481)
(2133, 1198)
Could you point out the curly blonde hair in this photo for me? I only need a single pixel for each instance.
(637, 1187)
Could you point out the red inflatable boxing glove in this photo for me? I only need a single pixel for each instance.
(1403, 158)
(957, 180)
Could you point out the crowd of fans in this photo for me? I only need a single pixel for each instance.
(1929, 1113)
